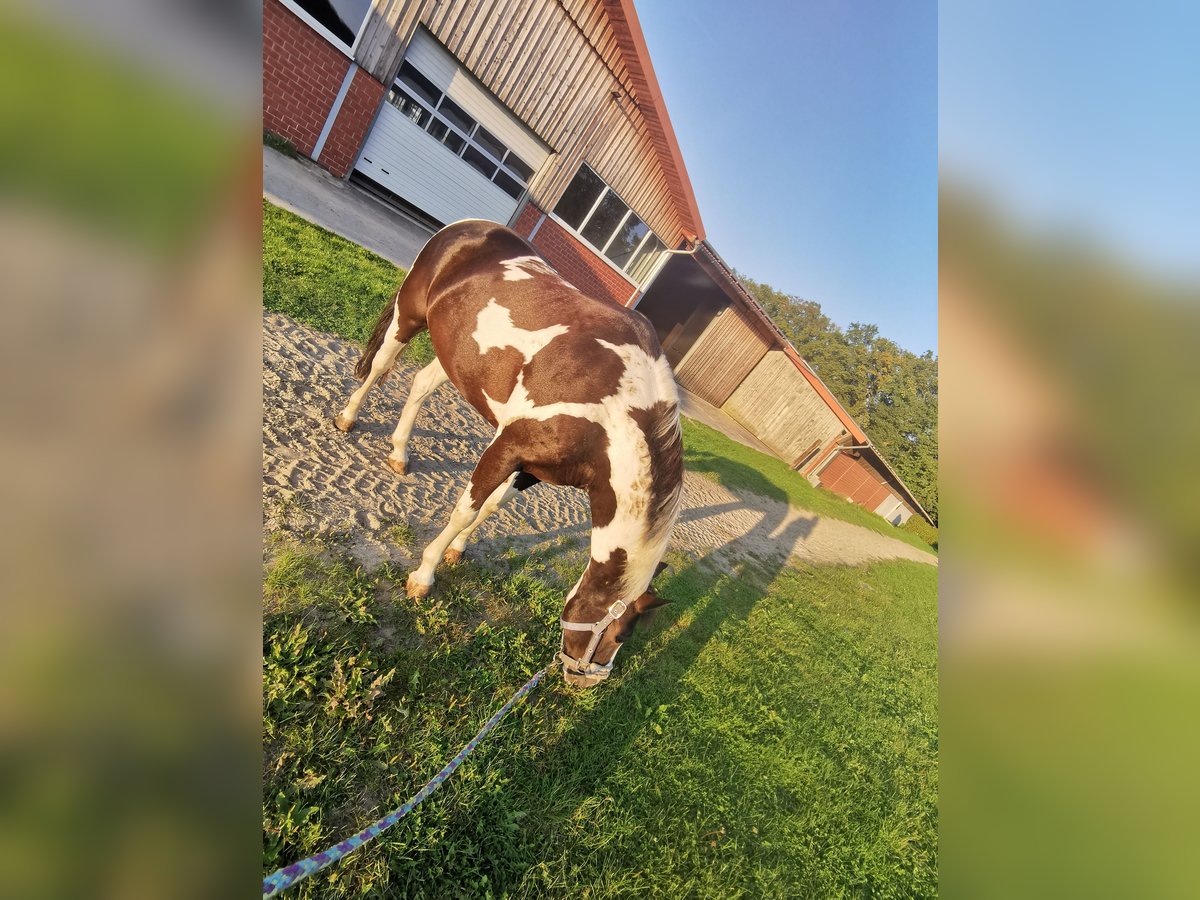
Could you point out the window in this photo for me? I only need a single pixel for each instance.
(420, 85)
(479, 160)
(408, 106)
(644, 259)
(339, 19)
(490, 143)
(605, 221)
(580, 196)
(508, 184)
(456, 116)
(518, 167)
(454, 141)
(452, 127)
(439, 130)
(627, 240)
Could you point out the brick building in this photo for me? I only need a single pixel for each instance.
(546, 115)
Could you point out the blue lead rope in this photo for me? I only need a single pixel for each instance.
(286, 877)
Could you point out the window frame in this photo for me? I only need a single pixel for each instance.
(602, 253)
(435, 114)
(307, 18)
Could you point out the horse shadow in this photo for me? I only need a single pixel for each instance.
(707, 594)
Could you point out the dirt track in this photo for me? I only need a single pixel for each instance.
(332, 483)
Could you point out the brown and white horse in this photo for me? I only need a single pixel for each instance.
(579, 393)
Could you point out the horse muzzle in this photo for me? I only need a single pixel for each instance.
(583, 676)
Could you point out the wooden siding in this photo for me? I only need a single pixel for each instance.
(776, 403)
(728, 350)
(556, 65)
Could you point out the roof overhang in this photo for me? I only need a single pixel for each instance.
(628, 32)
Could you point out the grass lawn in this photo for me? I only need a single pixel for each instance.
(335, 285)
(773, 733)
(326, 281)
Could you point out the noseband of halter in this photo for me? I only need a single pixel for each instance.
(584, 665)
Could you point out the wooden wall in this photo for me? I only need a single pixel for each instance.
(555, 64)
(777, 404)
(854, 478)
(722, 356)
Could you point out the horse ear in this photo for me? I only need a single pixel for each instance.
(642, 604)
(649, 601)
(659, 570)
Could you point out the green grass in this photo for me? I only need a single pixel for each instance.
(280, 144)
(772, 734)
(328, 282)
(739, 467)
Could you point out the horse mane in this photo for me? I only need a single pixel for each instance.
(665, 441)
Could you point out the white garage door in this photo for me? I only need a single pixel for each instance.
(446, 145)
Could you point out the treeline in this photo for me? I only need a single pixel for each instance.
(891, 392)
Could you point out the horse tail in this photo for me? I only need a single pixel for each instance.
(386, 319)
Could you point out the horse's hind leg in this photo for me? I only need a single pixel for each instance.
(425, 383)
(496, 470)
(384, 347)
(519, 482)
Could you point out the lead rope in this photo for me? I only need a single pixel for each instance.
(286, 877)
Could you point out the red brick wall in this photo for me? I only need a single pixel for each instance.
(352, 123)
(302, 73)
(574, 260)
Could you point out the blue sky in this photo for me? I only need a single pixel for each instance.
(1080, 117)
(809, 130)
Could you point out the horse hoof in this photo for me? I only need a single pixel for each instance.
(416, 590)
(399, 466)
(342, 423)
(452, 556)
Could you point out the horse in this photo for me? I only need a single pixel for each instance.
(579, 393)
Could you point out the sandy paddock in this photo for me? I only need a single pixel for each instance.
(337, 484)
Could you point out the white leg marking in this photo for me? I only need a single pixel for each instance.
(463, 515)
(499, 497)
(385, 356)
(424, 383)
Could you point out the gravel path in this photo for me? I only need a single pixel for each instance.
(332, 483)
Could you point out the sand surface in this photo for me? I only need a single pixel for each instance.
(330, 483)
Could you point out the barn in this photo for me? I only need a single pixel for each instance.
(546, 115)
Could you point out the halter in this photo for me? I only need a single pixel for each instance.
(584, 665)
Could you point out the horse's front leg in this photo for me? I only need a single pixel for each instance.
(499, 497)
(493, 475)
